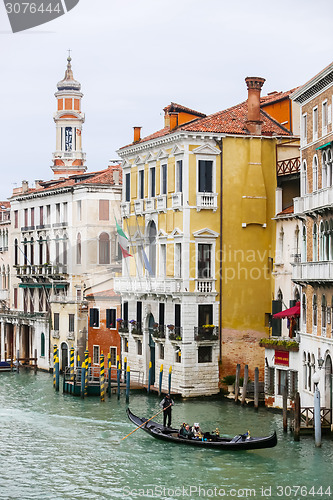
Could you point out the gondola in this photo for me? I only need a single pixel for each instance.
(239, 442)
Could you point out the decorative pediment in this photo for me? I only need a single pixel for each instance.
(125, 164)
(205, 233)
(138, 160)
(177, 150)
(206, 149)
(150, 157)
(176, 232)
(162, 154)
(162, 234)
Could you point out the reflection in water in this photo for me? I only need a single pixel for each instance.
(55, 446)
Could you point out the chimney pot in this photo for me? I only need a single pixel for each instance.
(25, 186)
(173, 120)
(137, 134)
(254, 85)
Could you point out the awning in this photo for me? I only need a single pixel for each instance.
(327, 145)
(58, 286)
(288, 313)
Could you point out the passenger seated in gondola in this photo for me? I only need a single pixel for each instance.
(185, 431)
(197, 431)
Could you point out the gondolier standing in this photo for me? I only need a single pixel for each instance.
(166, 404)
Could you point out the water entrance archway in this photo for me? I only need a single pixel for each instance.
(151, 322)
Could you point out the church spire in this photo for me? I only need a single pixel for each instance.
(69, 157)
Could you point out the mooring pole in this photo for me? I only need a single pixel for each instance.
(109, 375)
(256, 388)
(246, 378)
(35, 368)
(86, 364)
(83, 379)
(128, 383)
(125, 369)
(160, 381)
(297, 422)
(57, 374)
(237, 382)
(149, 378)
(118, 379)
(18, 360)
(285, 409)
(72, 364)
(102, 378)
(317, 419)
(55, 349)
(169, 385)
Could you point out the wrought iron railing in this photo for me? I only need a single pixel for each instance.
(205, 333)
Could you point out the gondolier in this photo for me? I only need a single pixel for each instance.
(167, 404)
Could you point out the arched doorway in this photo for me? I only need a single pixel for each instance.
(151, 322)
(64, 356)
(328, 382)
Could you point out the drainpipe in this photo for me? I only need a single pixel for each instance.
(220, 146)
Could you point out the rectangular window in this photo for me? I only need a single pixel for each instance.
(178, 260)
(282, 381)
(164, 179)
(113, 352)
(25, 217)
(161, 351)
(48, 214)
(179, 176)
(178, 356)
(125, 311)
(304, 128)
(162, 259)
(15, 298)
(315, 123)
(41, 216)
(139, 347)
(65, 212)
(324, 117)
(177, 316)
(128, 187)
(96, 354)
(57, 213)
(78, 294)
(141, 184)
(71, 322)
(79, 210)
(16, 218)
(103, 209)
(56, 321)
(111, 318)
(269, 380)
(205, 176)
(94, 317)
(125, 344)
(205, 354)
(204, 260)
(161, 313)
(152, 189)
(205, 314)
(32, 216)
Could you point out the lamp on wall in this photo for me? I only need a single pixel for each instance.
(320, 363)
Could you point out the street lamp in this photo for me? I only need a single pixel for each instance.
(316, 409)
(320, 363)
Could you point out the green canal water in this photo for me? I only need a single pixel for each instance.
(56, 446)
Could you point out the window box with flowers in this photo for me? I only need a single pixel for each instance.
(122, 326)
(205, 332)
(158, 333)
(136, 330)
(281, 345)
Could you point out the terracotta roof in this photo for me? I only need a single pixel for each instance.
(287, 211)
(174, 107)
(275, 97)
(4, 205)
(101, 295)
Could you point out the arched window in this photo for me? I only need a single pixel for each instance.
(305, 366)
(315, 242)
(327, 241)
(323, 315)
(40, 250)
(281, 241)
(329, 168)
(303, 179)
(152, 246)
(64, 250)
(331, 240)
(314, 313)
(25, 252)
(47, 250)
(280, 295)
(78, 249)
(8, 277)
(324, 171)
(309, 372)
(104, 248)
(304, 310)
(315, 173)
(42, 345)
(57, 248)
(321, 242)
(3, 276)
(32, 251)
(303, 254)
(297, 295)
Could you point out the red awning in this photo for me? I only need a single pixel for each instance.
(288, 313)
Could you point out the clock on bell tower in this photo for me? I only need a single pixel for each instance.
(68, 158)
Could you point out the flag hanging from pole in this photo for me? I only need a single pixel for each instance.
(146, 261)
(123, 241)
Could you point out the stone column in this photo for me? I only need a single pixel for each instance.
(2, 326)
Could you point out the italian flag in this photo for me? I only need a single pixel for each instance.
(123, 241)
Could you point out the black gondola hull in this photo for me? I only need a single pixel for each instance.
(157, 431)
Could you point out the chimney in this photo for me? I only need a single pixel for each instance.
(37, 183)
(253, 121)
(173, 120)
(25, 186)
(116, 177)
(137, 134)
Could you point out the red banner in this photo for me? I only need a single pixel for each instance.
(282, 358)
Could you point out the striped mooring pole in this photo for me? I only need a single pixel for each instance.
(149, 377)
(83, 378)
(78, 360)
(55, 350)
(109, 375)
(71, 362)
(102, 378)
(118, 379)
(125, 369)
(86, 364)
(128, 383)
(57, 374)
(169, 385)
(160, 381)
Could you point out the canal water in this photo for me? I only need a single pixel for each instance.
(56, 446)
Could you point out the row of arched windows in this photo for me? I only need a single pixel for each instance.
(5, 277)
(38, 251)
(322, 242)
(105, 253)
(3, 239)
(326, 172)
(308, 370)
(325, 309)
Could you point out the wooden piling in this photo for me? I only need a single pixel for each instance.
(128, 383)
(118, 379)
(237, 382)
(86, 364)
(57, 374)
(109, 375)
(102, 378)
(169, 385)
(35, 367)
(125, 369)
(285, 408)
(160, 380)
(297, 422)
(149, 377)
(72, 364)
(246, 378)
(18, 361)
(256, 388)
(55, 350)
(83, 378)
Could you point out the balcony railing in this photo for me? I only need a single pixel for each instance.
(313, 272)
(123, 326)
(159, 332)
(138, 206)
(136, 328)
(161, 202)
(205, 285)
(289, 166)
(207, 201)
(177, 200)
(202, 333)
(150, 205)
(176, 334)
(126, 209)
(314, 201)
(151, 285)
(41, 270)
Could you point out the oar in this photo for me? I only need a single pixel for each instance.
(146, 422)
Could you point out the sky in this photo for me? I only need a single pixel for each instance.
(134, 57)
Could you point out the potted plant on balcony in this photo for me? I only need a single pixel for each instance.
(229, 380)
(122, 325)
(136, 330)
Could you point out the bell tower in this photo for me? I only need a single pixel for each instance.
(68, 158)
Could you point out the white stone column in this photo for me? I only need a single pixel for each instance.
(2, 326)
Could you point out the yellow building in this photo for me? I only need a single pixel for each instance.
(183, 264)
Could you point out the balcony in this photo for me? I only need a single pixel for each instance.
(289, 166)
(313, 272)
(152, 285)
(161, 203)
(177, 200)
(206, 285)
(60, 224)
(44, 270)
(126, 209)
(319, 200)
(176, 335)
(159, 333)
(138, 207)
(205, 333)
(207, 201)
(150, 205)
(55, 334)
(123, 328)
(67, 299)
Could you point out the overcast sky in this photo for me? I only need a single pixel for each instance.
(133, 57)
